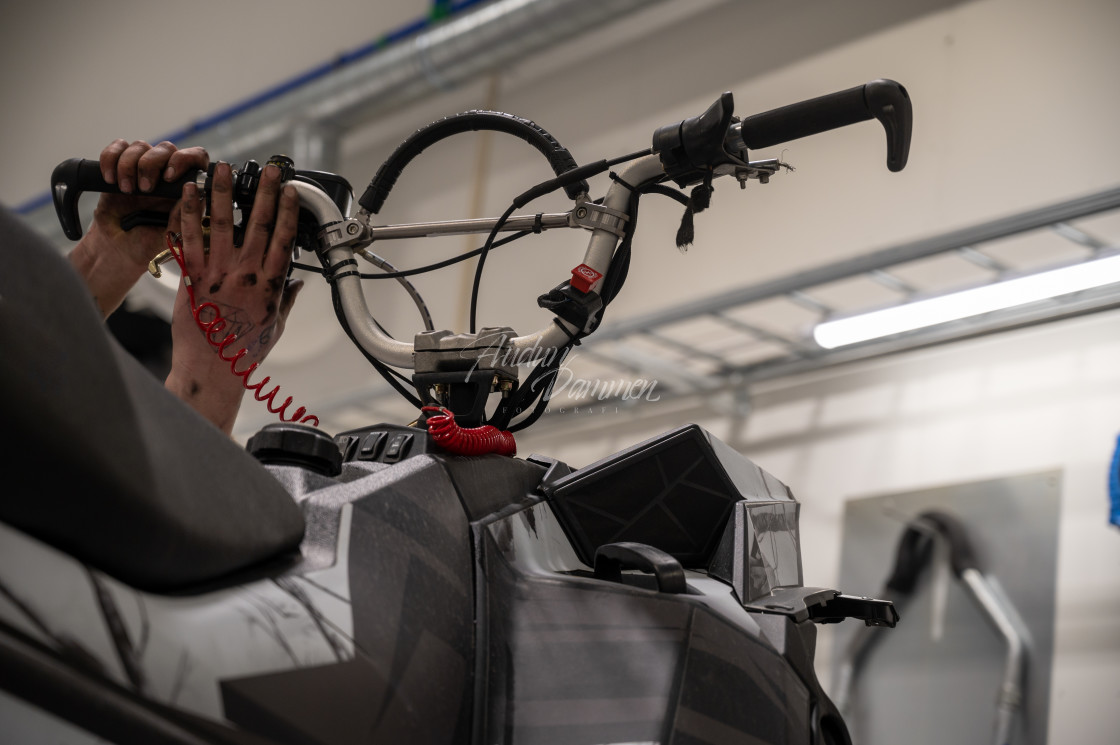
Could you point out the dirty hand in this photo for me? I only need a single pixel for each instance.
(109, 258)
(246, 284)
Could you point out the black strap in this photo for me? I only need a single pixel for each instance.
(346, 268)
(621, 181)
(573, 338)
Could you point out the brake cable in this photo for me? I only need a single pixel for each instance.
(565, 180)
(539, 383)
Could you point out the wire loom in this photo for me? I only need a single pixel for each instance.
(214, 328)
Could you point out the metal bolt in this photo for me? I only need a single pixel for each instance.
(353, 228)
(581, 213)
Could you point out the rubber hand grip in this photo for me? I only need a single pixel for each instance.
(71, 178)
(884, 100)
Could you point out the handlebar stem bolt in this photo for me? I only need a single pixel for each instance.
(581, 213)
(353, 228)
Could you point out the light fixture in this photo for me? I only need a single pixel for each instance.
(919, 314)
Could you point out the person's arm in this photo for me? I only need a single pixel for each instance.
(110, 259)
(248, 284)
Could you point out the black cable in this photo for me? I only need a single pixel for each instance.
(617, 272)
(537, 387)
(428, 267)
(616, 277)
(529, 195)
(482, 263)
(667, 191)
(385, 370)
(539, 409)
(382, 369)
(620, 263)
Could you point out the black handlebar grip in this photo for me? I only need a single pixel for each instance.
(884, 100)
(73, 177)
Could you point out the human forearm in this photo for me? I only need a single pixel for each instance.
(109, 274)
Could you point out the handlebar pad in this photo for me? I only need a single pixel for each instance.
(884, 100)
(73, 177)
(386, 177)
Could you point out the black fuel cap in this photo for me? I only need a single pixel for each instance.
(290, 444)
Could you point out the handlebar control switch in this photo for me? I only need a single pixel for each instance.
(694, 147)
(584, 278)
(581, 308)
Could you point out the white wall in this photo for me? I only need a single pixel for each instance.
(74, 76)
(1015, 107)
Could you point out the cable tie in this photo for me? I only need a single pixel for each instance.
(618, 179)
(346, 268)
(575, 339)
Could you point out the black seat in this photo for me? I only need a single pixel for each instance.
(100, 461)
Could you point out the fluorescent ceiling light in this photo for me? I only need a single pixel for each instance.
(985, 299)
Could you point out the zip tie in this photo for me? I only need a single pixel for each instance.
(336, 271)
(575, 339)
(619, 180)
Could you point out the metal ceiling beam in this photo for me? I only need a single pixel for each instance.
(803, 355)
(795, 285)
(431, 62)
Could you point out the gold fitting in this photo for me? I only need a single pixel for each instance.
(161, 258)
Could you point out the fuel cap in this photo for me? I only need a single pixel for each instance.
(290, 444)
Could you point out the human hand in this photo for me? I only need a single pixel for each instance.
(136, 169)
(109, 258)
(247, 284)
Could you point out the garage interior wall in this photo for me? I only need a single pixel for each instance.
(1015, 107)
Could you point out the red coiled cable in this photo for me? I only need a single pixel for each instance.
(467, 440)
(214, 328)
